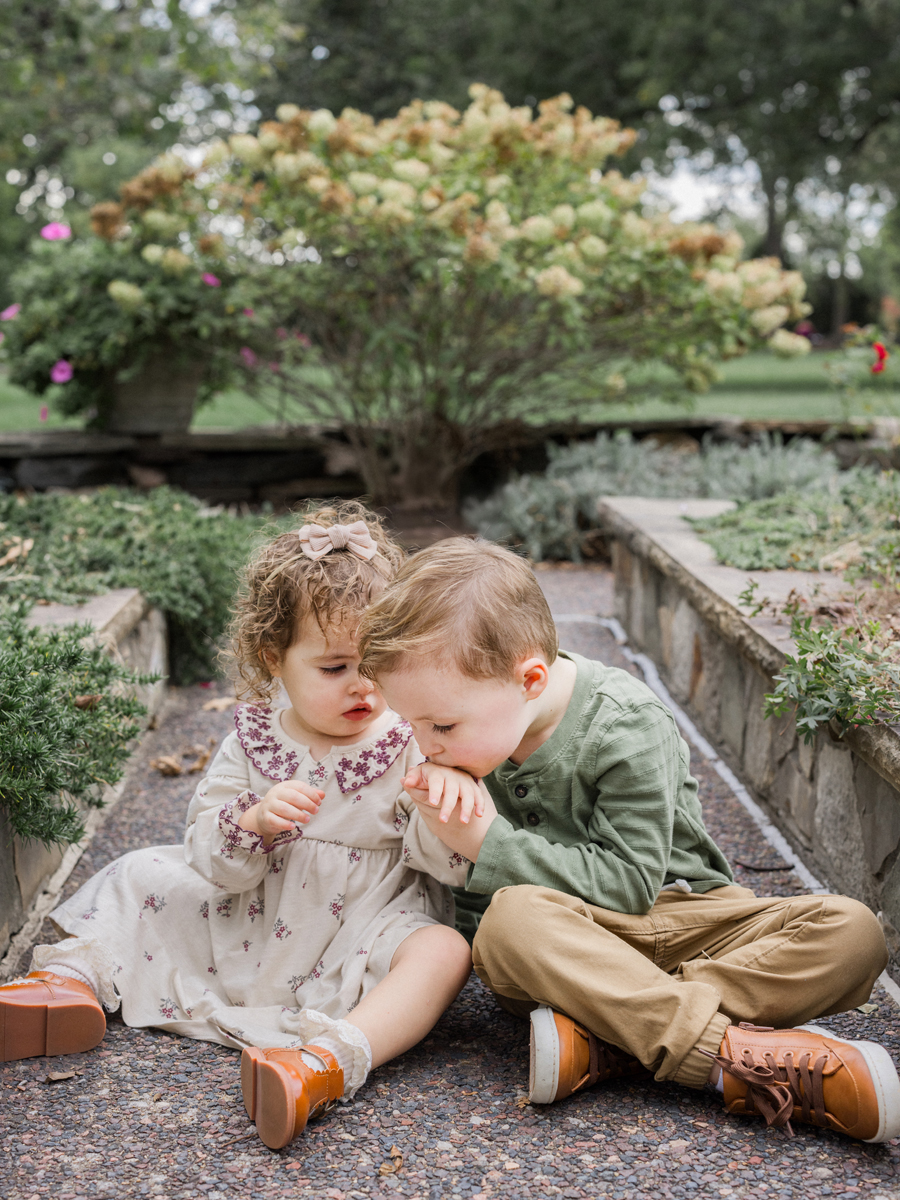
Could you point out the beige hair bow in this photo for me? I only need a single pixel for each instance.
(316, 541)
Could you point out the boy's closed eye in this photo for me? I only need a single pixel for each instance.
(442, 728)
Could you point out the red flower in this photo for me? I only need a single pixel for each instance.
(881, 355)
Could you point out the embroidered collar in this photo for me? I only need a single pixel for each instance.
(357, 766)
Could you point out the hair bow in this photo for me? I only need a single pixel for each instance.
(316, 541)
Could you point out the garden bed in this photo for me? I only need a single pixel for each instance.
(31, 873)
(838, 798)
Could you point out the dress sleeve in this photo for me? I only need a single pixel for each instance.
(214, 843)
(423, 851)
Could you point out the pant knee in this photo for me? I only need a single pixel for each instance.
(515, 922)
(862, 939)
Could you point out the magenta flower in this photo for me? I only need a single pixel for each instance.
(281, 332)
(9, 313)
(248, 312)
(248, 356)
(303, 340)
(56, 232)
(61, 371)
(274, 366)
(211, 280)
(45, 412)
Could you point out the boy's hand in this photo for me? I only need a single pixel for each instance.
(445, 788)
(283, 807)
(465, 839)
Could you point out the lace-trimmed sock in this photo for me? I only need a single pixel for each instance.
(344, 1053)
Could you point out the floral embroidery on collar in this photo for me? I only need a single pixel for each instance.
(358, 768)
(260, 740)
(261, 744)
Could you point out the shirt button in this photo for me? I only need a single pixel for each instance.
(521, 791)
(533, 819)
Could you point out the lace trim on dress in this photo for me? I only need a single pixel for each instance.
(357, 767)
(237, 838)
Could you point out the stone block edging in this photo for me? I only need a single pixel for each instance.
(837, 800)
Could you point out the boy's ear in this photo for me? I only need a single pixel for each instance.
(535, 675)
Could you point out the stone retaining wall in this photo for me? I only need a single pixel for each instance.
(836, 800)
(125, 623)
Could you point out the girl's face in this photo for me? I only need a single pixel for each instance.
(320, 673)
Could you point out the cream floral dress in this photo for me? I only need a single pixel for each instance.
(227, 940)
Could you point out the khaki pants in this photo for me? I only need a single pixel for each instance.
(666, 984)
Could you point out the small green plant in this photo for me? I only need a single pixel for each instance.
(837, 676)
(183, 556)
(67, 716)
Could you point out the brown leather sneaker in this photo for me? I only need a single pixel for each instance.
(48, 1014)
(281, 1093)
(809, 1075)
(566, 1057)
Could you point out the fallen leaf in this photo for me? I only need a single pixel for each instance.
(57, 1076)
(88, 702)
(220, 704)
(392, 1167)
(167, 764)
(521, 1102)
(865, 1009)
(199, 762)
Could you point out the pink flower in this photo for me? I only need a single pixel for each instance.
(248, 356)
(248, 312)
(10, 313)
(56, 232)
(45, 412)
(274, 366)
(303, 340)
(281, 332)
(211, 280)
(61, 371)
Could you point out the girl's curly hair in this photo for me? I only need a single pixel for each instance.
(283, 588)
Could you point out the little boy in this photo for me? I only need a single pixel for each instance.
(598, 901)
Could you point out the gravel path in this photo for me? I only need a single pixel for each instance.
(149, 1114)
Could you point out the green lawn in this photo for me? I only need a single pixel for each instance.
(758, 386)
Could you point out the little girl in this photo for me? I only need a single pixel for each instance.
(306, 919)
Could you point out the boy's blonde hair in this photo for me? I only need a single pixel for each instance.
(283, 588)
(469, 603)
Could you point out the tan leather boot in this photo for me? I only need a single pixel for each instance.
(809, 1075)
(566, 1057)
(48, 1014)
(281, 1093)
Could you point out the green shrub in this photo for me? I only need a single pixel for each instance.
(183, 556)
(66, 719)
(854, 517)
(552, 515)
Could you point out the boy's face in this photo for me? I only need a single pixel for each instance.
(474, 724)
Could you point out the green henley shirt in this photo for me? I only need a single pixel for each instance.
(606, 809)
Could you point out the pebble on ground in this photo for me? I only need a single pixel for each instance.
(150, 1114)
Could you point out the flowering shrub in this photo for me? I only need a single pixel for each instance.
(454, 271)
(93, 312)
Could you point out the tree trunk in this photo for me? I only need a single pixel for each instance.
(773, 245)
(839, 307)
(413, 466)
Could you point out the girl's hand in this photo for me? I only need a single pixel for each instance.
(283, 807)
(445, 787)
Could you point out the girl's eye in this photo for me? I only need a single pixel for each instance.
(332, 670)
(442, 728)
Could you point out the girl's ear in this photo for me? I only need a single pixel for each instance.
(273, 662)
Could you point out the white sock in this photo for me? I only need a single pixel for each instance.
(343, 1052)
(82, 973)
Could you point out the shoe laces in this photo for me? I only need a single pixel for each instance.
(605, 1061)
(774, 1089)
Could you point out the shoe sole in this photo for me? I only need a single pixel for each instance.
(32, 1030)
(884, 1078)
(543, 1069)
(268, 1098)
